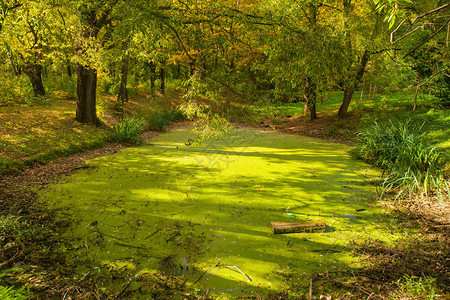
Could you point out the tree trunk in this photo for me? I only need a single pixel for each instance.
(69, 69)
(86, 95)
(91, 24)
(123, 91)
(162, 77)
(34, 72)
(152, 77)
(310, 98)
(350, 89)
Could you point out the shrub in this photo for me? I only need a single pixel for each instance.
(441, 89)
(410, 161)
(128, 131)
(159, 120)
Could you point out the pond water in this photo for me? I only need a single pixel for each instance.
(202, 211)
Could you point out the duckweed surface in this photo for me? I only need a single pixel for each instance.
(201, 211)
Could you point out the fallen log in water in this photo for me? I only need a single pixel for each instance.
(281, 227)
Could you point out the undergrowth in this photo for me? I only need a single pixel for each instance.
(128, 131)
(411, 162)
(159, 120)
(413, 287)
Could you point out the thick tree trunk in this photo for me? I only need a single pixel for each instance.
(122, 97)
(350, 89)
(91, 24)
(86, 95)
(34, 72)
(162, 77)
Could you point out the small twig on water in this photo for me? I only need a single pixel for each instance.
(234, 267)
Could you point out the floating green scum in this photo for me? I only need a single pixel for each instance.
(201, 212)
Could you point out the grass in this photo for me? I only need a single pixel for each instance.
(39, 133)
(363, 112)
(413, 287)
(411, 161)
(159, 120)
(128, 131)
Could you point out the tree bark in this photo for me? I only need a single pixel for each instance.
(350, 88)
(69, 69)
(34, 72)
(310, 98)
(86, 95)
(123, 91)
(87, 76)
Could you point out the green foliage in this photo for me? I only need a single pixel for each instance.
(107, 85)
(441, 89)
(413, 287)
(410, 161)
(128, 131)
(213, 126)
(333, 131)
(11, 293)
(159, 120)
(14, 90)
(61, 86)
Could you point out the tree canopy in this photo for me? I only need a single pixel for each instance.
(279, 50)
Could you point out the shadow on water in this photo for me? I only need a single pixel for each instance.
(201, 212)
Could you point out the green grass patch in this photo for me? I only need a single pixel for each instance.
(413, 287)
(128, 131)
(8, 165)
(200, 212)
(411, 161)
(40, 133)
(159, 120)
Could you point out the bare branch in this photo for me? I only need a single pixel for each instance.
(411, 24)
(429, 38)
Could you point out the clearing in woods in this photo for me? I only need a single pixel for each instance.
(202, 211)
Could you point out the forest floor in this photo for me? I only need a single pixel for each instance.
(30, 138)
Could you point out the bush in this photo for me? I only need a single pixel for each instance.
(410, 161)
(441, 89)
(159, 120)
(128, 131)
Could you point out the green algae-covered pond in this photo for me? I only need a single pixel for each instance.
(201, 211)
